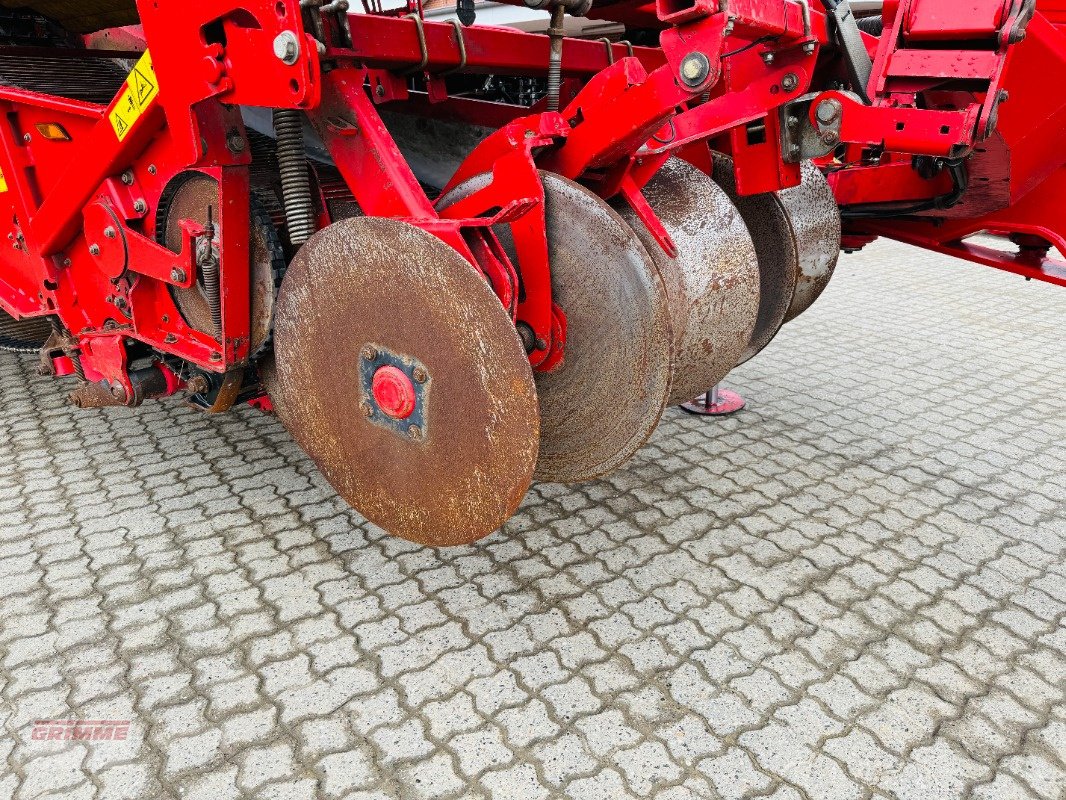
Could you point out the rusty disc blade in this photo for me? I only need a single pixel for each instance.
(713, 282)
(600, 406)
(815, 218)
(776, 251)
(367, 294)
(606, 399)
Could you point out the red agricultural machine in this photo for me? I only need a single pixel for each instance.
(457, 258)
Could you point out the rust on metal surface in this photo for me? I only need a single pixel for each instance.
(602, 404)
(377, 281)
(194, 195)
(712, 284)
(94, 395)
(815, 219)
(775, 249)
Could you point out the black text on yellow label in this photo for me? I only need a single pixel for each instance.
(141, 89)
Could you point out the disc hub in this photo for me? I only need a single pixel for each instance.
(393, 392)
(395, 389)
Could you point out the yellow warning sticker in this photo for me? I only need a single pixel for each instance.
(3, 182)
(141, 89)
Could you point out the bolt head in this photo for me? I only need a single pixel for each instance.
(287, 48)
(828, 111)
(831, 138)
(177, 275)
(369, 353)
(415, 432)
(197, 385)
(110, 232)
(366, 409)
(236, 143)
(768, 58)
(127, 178)
(420, 374)
(94, 249)
(790, 82)
(140, 206)
(694, 69)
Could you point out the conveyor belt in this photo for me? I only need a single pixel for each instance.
(81, 16)
(94, 80)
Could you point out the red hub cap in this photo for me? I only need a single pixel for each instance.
(393, 392)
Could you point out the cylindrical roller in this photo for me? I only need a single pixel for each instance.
(815, 218)
(604, 401)
(776, 251)
(713, 282)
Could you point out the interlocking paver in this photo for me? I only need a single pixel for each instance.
(856, 588)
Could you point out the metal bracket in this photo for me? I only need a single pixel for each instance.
(856, 56)
(801, 139)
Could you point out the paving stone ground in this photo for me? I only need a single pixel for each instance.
(854, 589)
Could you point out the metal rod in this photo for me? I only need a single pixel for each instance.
(555, 57)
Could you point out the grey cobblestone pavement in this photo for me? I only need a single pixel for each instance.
(853, 589)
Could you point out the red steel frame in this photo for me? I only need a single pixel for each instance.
(1016, 175)
(82, 210)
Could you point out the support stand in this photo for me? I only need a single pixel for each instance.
(717, 402)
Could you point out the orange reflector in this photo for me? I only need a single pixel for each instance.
(53, 131)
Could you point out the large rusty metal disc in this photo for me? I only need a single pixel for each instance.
(815, 217)
(190, 197)
(605, 401)
(712, 283)
(776, 250)
(400, 373)
(602, 404)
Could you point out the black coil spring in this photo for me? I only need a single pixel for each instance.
(295, 180)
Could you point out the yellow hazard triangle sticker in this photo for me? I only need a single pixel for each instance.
(141, 89)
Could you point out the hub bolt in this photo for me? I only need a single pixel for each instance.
(415, 432)
(369, 353)
(366, 409)
(420, 374)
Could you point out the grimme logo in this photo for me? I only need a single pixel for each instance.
(80, 730)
